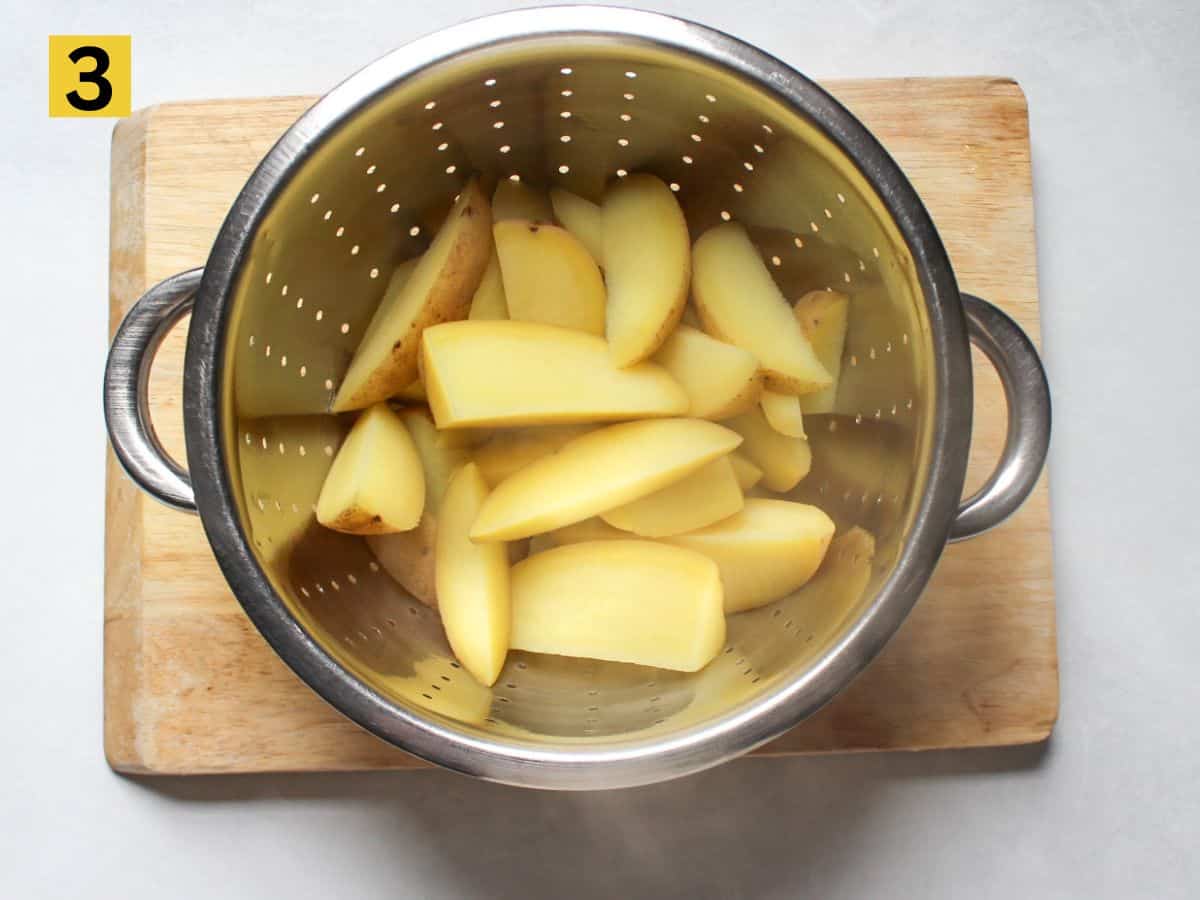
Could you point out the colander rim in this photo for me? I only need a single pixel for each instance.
(626, 762)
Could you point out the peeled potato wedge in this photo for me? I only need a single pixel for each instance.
(592, 529)
(764, 552)
(767, 550)
(375, 485)
(784, 460)
(708, 495)
(721, 380)
(647, 266)
(410, 559)
(489, 302)
(439, 288)
(517, 200)
(508, 451)
(442, 453)
(525, 373)
(823, 318)
(549, 276)
(740, 303)
(599, 471)
(409, 556)
(628, 601)
(582, 218)
(746, 472)
(472, 581)
(783, 413)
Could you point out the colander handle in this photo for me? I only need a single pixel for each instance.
(127, 390)
(1027, 394)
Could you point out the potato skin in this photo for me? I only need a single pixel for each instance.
(408, 557)
(355, 520)
(448, 299)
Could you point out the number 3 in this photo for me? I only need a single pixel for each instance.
(104, 87)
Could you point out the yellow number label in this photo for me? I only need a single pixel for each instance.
(90, 75)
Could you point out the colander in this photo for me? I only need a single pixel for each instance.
(577, 97)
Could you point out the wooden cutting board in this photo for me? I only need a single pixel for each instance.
(190, 686)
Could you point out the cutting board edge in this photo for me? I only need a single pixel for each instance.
(123, 532)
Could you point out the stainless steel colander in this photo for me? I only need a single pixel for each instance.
(571, 96)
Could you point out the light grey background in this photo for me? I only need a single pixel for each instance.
(1111, 808)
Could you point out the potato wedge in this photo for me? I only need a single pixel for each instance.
(396, 282)
(525, 373)
(442, 453)
(592, 529)
(472, 581)
(489, 302)
(375, 485)
(783, 413)
(409, 556)
(439, 288)
(823, 316)
(517, 200)
(510, 450)
(746, 472)
(582, 218)
(598, 471)
(764, 552)
(628, 601)
(549, 276)
(740, 303)
(647, 266)
(767, 550)
(721, 380)
(784, 460)
(708, 495)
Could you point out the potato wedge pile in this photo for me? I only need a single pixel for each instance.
(539, 373)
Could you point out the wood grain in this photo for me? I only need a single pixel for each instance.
(190, 687)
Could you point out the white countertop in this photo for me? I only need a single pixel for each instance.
(1110, 808)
